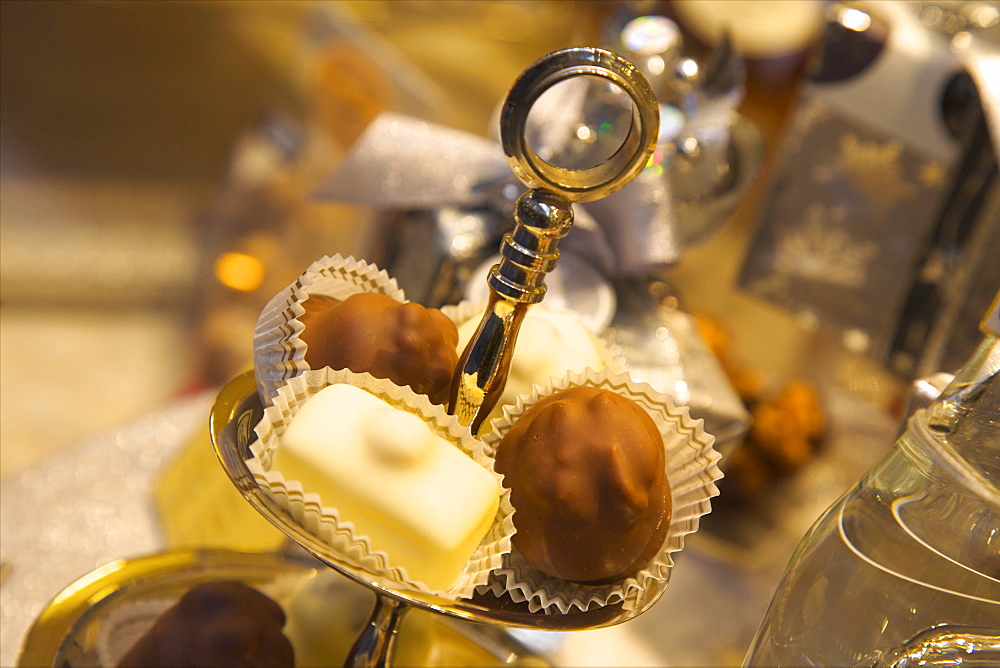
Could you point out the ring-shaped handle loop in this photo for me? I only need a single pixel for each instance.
(580, 185)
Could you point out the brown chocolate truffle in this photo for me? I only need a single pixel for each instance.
(216, 624)
(586, 473)
(368, 332)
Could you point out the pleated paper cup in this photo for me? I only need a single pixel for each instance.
(325, 522)
(691, 465)
(278, 350)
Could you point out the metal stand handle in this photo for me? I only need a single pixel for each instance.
(527, 254)
(544, 215)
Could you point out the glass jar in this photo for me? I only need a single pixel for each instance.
(905, 567)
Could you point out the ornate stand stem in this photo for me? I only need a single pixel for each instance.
(527, 254)
(375, 644)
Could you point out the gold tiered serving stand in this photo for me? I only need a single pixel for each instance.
(543, 215)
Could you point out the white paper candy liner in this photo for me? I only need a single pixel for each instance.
(278, 352)
(325, 522)
(691, 466)
(464, 311)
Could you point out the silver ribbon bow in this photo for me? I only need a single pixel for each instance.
(402, 162)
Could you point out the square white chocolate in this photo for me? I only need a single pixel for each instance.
(416, 496)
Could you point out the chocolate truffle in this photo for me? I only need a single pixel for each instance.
(216, 624)
(591, 499)
(369, 332)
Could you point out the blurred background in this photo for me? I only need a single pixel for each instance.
(120, 122)
(120, 127)
(167, 167)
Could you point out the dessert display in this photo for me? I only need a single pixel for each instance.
(415, 496)
(216, 624)
(401, 489)
(586, 471)
(376, 478)
(550, 344)
(370, 332)
(575, 500)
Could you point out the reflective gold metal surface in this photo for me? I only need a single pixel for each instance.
(544, 215)
(580, 185)
(66, 632)
(232, 420)
(527, 254)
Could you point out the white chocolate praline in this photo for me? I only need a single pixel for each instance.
(325, 617)
(416, 496)
(550, 344)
